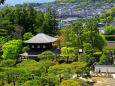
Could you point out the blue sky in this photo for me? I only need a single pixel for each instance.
(13, 2)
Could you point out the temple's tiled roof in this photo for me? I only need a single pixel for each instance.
(41, 38)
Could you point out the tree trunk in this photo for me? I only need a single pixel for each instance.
(14, 83)
(77, 55)
(2, 82)
(77, 58)
(68, 59)
(60, 78)
(32, 76)
(8, 79)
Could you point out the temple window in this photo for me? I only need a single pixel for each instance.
(33, 46)
(38, 46)
(44, 46)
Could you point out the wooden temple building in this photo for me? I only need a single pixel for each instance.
(38, 44)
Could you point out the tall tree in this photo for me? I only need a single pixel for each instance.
(25, 17)
(69, 53)
(54, 21)
(39, 21)
(91, 35)
(31, 19)
(64, 71)
(80, 68)
(49, 25)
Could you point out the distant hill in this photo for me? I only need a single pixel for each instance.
(63, 1)
(28, 4)
(81, 2)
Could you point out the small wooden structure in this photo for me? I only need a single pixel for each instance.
(38, 44)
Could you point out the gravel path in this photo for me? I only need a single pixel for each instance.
(110, 82)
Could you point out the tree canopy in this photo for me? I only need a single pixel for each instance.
(11, 49)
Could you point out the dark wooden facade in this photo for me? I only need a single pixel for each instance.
(40, 47)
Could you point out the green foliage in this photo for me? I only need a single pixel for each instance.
(94, 38)
(32, 67)
(50, 80)
(110, 30)
(86, 58)
(109, 48)
(39, 21)
(27, 36)
(25, 49)
(11, 17)
(63, 71)
(28, 4)
(8, 63)
(83, 58)
(104, 59)
(74, 82)
(34, 82)
(108, 17)
(91, 26)
(27, 64)
(109, 33)
(16, 75)
(46, 64)
(50, 24)
(36, 21)
(11, 49)
(82, 82)
(80, 68)
(69, 37)
(69, 83)
(47, 55)
(97, 53)
(64, 51)
(3, 32)
(102, 41)
(88, 48)
(2, 39)
(88, 55)
(68, 52)
(77, 27)
(87, 34)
